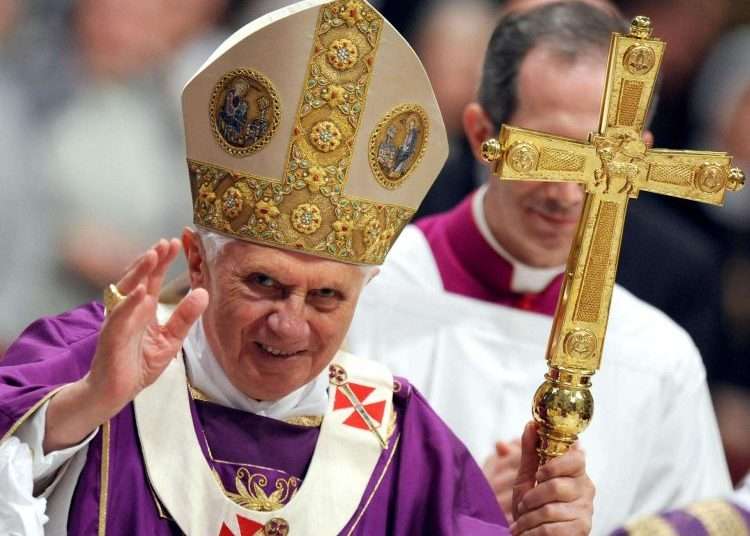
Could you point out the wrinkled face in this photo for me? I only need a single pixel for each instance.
(275, 318)
(536, 221)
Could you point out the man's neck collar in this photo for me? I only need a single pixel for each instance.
(206, 374)
(524, 278)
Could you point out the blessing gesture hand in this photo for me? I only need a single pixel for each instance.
(132, 351)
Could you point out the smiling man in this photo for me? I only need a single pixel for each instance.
(464, 304)
(234, 412)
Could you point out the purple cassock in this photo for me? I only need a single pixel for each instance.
(425, 483)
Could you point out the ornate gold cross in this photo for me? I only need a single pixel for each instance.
(613, 166)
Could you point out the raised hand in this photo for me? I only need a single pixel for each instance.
(556, 499)
(132, 351)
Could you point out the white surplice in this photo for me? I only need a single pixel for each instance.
(653, 443)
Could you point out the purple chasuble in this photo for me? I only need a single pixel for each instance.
(703, 519)
(426, 483)
(470, 267)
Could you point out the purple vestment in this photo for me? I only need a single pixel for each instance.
(470, 267)
(431, 485)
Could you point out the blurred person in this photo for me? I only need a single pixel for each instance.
(690, 27)
(26, 270)
(523, 5)
(118, 138)
(721, 102)
(238, 414)
(463, 306)
(450, 38)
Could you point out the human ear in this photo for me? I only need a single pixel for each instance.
(195, 257)
(648, 138)
(478, 127)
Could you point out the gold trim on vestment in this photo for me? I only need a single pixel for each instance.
(23, 418)
(651, 526)
(377, 485)
(104, 479)
(719, 518)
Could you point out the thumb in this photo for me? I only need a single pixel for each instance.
(526, 478)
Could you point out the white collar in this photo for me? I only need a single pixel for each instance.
(206, 375)
(524, 278)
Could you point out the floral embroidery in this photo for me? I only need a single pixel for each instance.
(326, 136)
(334, 95)
(265, 211)
(372, 231)
(306, 218)
(232, 203)
(342, 54)
(343, 228)
(291, 211)
(352, 13)
(316, 177)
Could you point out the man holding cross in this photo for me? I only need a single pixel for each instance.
(233, 412)
(466, 296)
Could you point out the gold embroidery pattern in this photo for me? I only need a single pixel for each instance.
(398, 144)
(240, 106)
(252, 495)
(232, 203)
(325, 136)
(342, 54)
(351, 229)
(310, 421)
(651, 526)
(306, 218)
(718, 518)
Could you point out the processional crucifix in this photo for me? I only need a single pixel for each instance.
(613, 166)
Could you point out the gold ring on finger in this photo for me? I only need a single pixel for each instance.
(112, 298)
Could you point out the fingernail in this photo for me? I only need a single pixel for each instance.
(521, 507)
(512, 527)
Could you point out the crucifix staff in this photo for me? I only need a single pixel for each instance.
(613, 166)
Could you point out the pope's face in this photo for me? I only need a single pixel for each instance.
(536, 221)
(275, 318)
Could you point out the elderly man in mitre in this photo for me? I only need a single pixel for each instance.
(234, 412)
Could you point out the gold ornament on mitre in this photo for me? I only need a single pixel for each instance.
(314, 129)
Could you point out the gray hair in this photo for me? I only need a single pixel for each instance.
(214, 243)
(570, 29)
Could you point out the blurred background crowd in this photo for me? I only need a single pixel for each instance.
(92, 163)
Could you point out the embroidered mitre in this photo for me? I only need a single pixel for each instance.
(314, 128)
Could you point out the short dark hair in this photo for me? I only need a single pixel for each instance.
(569, 28)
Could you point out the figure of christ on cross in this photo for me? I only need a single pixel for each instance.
(613, 166)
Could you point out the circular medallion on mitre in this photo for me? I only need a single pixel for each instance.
(398, 144)
(245, 111)
(710, 178)
(639, 59)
